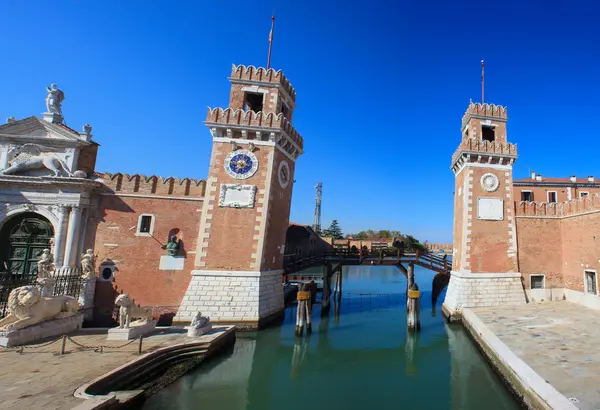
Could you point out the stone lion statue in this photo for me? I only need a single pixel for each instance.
(27, 308)
(128, 310)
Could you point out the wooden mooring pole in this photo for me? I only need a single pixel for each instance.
(326, 305)
(413, 311)
(304, 310)
(410, 279)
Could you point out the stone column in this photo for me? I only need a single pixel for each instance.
(59, 236)
(86, 297)
(72, 245)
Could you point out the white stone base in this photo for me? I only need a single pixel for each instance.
(168, 262)
(198, 331)
(135, 330)
(470, 290)
(56, 327)
(232, 296)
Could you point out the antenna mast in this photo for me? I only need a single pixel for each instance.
(317, 219)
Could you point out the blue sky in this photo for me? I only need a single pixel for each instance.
(381, 89)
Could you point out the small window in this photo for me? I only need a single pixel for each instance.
(527, 196)
(145, 225)
(537, 281)
(253, 102)
(107, 273)
(582, 194)
(551, 197)
(285, 110)
(590, 282)
(487, 133)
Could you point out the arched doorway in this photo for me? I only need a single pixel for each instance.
(22, 240)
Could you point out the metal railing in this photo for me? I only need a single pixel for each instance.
(68, 281)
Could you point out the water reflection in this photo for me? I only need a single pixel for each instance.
(358, 357)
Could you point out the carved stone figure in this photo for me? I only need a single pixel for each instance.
(30, 156)
(200, 321)
(128, 310)
(54, 99)
(199, 326)
(88, 264)
(45, 264)
(173, 246)
(27, 308)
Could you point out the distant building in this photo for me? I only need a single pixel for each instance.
(552, 190)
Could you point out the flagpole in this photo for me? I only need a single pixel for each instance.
(482, 83)
(271, 40)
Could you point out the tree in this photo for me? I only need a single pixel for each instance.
(334, 231)
(361, 235)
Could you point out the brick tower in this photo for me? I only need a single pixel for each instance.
(246, 209)
(484, 263)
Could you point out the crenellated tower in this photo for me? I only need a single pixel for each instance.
(245, 215)
(484, 263)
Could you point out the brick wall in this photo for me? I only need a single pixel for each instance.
(540, 193)
(278, 216)
(112, 232)
(559, 240)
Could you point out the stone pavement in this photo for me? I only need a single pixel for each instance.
(41, 379)
(558, 340)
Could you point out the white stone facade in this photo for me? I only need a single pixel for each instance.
(470, 290)
(238, 296)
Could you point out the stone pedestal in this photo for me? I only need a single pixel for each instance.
(198, 331)
(50, 328)
(52, 117)
(240, 297)
(46, 286)
(135, 330)
(86, 297)
(471, 290)
(168, 262)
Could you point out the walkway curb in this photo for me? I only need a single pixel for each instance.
(532, 389)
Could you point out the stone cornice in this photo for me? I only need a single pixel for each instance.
(463, 158)
(49, 181)
(558, 184)
(47, 141)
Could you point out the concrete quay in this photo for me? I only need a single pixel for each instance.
(545, 351)
(40, 378)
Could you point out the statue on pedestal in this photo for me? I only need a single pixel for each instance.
(128, 310)
(173, 246)
(45, 267)
(199, 326)
(88, 264)
(54, 100)
(45, 264)
(28, 307)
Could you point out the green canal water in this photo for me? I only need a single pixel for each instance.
(361, 358)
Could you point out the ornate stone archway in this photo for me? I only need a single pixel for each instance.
(22, 240)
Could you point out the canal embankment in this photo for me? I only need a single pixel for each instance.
(101, 373)
(544, 351)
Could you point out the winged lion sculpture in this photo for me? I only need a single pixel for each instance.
(33, 156)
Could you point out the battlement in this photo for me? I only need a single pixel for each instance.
(260, 74)
(153, 185)
(573, 207)
(485, 148)
(243, 118)
(484, 110)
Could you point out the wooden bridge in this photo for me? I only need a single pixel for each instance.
(293, 264)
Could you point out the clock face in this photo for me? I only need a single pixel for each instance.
(284, 174)
(241, 164)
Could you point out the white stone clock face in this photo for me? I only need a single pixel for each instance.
(284, 174)
(241, 164)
